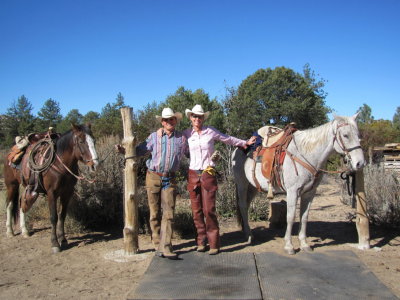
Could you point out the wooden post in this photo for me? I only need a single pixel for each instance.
(277, 214)
(362, 221)
(131, 224)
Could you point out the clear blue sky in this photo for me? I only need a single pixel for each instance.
(83, 53)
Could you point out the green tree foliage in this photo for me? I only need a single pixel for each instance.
(91, 118)
(378, 133)
(365, 115)
(276, 96)
(110, 121)
(396, 119)
(72, 117)
(184, 99)
(145, 121)
(18, 120)
(48, 116)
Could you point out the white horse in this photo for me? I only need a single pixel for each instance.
(312, 146)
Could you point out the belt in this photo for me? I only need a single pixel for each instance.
(166, 174)
(199, 172)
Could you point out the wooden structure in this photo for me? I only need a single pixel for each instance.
(131, 223)
(389, 155)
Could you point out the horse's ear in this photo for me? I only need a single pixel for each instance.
(74, 127)
(354, 117)
(334, 116)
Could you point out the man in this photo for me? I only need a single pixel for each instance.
(167, 147)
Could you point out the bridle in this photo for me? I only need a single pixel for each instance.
(337, 137)
(82, 152)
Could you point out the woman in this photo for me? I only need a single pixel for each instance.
(202, 183)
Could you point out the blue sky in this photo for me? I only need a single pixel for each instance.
(83, 53)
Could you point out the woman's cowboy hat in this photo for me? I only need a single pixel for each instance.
(197, 110)
(169, 113)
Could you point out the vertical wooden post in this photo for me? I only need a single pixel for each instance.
(131, 224)
(362, 221)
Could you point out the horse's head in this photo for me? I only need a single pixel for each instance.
(346, 141)
(84, 145)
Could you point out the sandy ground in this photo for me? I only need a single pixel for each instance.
(94, 267)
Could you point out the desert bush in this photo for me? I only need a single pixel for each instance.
(382, 192)
(227, 202)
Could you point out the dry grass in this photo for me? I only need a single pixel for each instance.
(382, 191)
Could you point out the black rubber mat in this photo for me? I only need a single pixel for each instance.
(328, 275)
(200, 276)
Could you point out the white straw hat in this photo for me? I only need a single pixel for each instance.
(197, 110)
(169, 113)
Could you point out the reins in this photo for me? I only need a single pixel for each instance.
(72, 173)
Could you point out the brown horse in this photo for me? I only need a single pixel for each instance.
(57, 181)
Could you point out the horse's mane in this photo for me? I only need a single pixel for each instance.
(64, 141)
(308, 139)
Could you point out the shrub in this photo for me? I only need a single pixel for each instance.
(382, 192)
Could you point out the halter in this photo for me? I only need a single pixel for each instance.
(338, 138)
(87, 162)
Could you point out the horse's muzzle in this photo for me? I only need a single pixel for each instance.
(92, 164)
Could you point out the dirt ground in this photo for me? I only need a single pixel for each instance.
(94, 267)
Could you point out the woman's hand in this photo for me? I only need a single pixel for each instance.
(251, 140)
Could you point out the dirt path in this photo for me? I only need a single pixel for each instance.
(93, 267)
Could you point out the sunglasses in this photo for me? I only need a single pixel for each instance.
(197, 116)
(169, 119)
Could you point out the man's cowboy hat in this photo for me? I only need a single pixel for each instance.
(197, 110)
(169, 113)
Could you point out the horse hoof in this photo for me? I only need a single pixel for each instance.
(10, 234)
(64, 244)
(25, 234)
(55, 250)
(249, 240)
(290, 251)
(307, 249)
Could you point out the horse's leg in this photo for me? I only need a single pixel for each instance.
(242, 193)
(12, 206)
(305, 204)
(64, 200)
(291, 213)
(9, 222)
(52, 202)
(22, 224)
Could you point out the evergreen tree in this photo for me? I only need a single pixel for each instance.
(18, 120)
(396, 119)
(277, 97)
(184, 99)
(72, 117)
(48, 116)
(110, 121)
(365, 115)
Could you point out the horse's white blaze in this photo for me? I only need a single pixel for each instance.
(92, 149)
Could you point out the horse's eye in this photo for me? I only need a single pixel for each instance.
(346, 136)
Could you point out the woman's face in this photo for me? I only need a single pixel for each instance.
(197, 120)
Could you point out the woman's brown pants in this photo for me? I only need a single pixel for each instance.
(202, 188)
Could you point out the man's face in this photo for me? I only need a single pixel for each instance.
(169, 124)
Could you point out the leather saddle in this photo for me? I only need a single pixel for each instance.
(272, 152)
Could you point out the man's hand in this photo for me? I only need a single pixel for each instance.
(120, 149)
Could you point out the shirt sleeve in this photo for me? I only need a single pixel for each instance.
(227, 139)
(144, 147)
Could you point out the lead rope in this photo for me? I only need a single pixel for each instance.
(76, 176)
